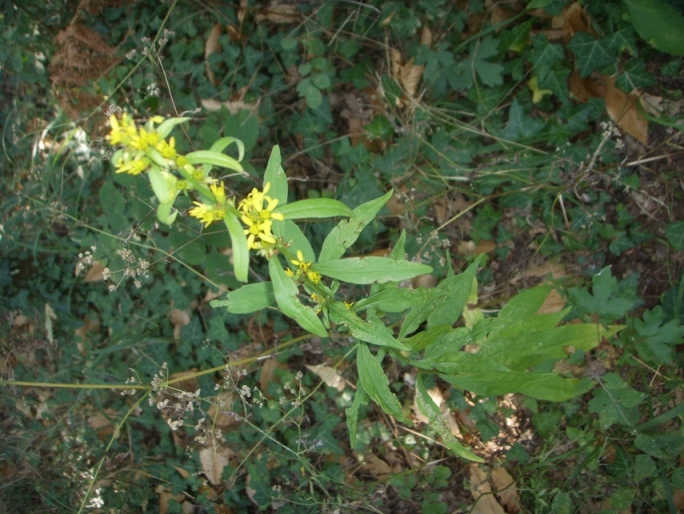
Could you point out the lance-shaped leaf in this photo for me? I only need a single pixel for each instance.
(275, 175)
(167, 126)
(285, 291)
(249, 298)
(294, 238)
(347, 231)
(222, 143)
(428, 407)
(376, 384)
(367, 270)
(215, 159)
(238, 244)
(372, 331)
(166, 214)
(314, 208)
(352, 413)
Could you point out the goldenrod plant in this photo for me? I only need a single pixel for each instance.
(513, 347)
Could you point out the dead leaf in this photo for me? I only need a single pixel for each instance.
(408, 75)
(233, 106)
(485, 501)
(624, 109)
(572, 20)
(377, 467)
(329, 375)
(50, 316)
(102, 424)
(485, 246)
(506, 491)
(95, 271)
(211, 46)
(179, 319)
(213, 460)
(554, 302)
(279, 13)
(220, 410)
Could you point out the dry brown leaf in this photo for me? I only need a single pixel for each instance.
(179, 319)
(485, 246)
(95, 271)
(279, 13)
(437, 397)
(212, 46)
(585, 88)
(220, 410)
(233, 106)
(426, 281)
(329, 375)
(102, 424)
(485, 501)
(624, 109)
(376, 466)
(267, 375)
(242, 11)
(572, 20)
(184, 473)
(165, 496)
(506, 491)
(554, 302)
(213, 460)
(426, 36)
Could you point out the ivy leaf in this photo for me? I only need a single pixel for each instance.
(590, 53)
(604, 299)
(520, 125)
(376, 384)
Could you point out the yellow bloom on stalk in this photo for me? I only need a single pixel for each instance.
(259, 217)
(121, 133)
(167, 150)
(207, 214)
(144, 140)
(304, 268)
(348, 305)
(314, 276)
(133, 167)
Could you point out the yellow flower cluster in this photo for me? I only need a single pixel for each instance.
(210, 213)
(141, 145)
(303, 268)
(257, 214)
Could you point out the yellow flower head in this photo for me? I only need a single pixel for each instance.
(258, 217)
(132, 167)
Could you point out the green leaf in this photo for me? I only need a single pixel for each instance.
(659, 336)
(590, 54)
(644, 467)
(314, 208)
(538, 4)
(376, 384)
(616, 402)
(285, 291)
(275, 175)
(649, 446)
(456, 290)
(239, 245)
(491, 74)
(166, 214)
(543, 386)
(396, 299)
(604, 299)
(215, 159)
(367, 270)
(167, 126)
(222, 143)
(311, 93)
(521, 126)
(163, 184)
(295, 238)
(347, 231)
(659, 24)
(428, 407)
(675, 235)
(249, 298)
(352, 413)
(372, 331)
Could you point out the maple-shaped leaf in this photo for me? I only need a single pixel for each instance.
(659, 335)
(608, 299)
(491, 74)
(521, 126)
